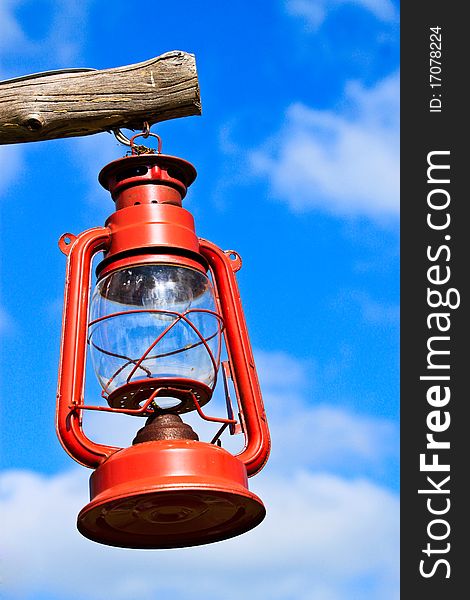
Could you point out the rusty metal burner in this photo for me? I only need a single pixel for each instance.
(165, 426)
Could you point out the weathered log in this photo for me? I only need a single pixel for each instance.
(56, 105)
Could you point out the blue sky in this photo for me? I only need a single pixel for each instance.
(297, 159)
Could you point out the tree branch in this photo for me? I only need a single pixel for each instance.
(45, 107)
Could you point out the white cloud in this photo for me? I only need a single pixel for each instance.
(279, 370)
(344, 162)
(314, 12)
(63, 40)
(306, 431)
(62, 44)
(323, 537)
(12, 34)
(326, 437)
(321, 437)
(68, 31)
(90, 154)
(6, 323)
(11, 161)
(373, 311)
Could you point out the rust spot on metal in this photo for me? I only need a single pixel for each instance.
(165, 426)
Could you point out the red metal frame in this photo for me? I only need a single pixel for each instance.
(153, 227)
(73, 349)
(243, 370)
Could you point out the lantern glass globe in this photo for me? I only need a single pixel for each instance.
(151, 321)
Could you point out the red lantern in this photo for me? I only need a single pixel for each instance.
(154, 330)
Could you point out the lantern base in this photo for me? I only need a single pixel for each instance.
(169, 494)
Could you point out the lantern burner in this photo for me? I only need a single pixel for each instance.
(165, 426)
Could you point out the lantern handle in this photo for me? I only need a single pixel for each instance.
(80, 252)
(244, 375)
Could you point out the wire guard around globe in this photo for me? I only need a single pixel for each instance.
(153, 323)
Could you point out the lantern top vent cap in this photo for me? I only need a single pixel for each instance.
(141, 169)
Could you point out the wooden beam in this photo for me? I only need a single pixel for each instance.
(56, 105)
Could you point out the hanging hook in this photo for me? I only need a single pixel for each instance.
(146, 129)
(136, 149)
(123, 139)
